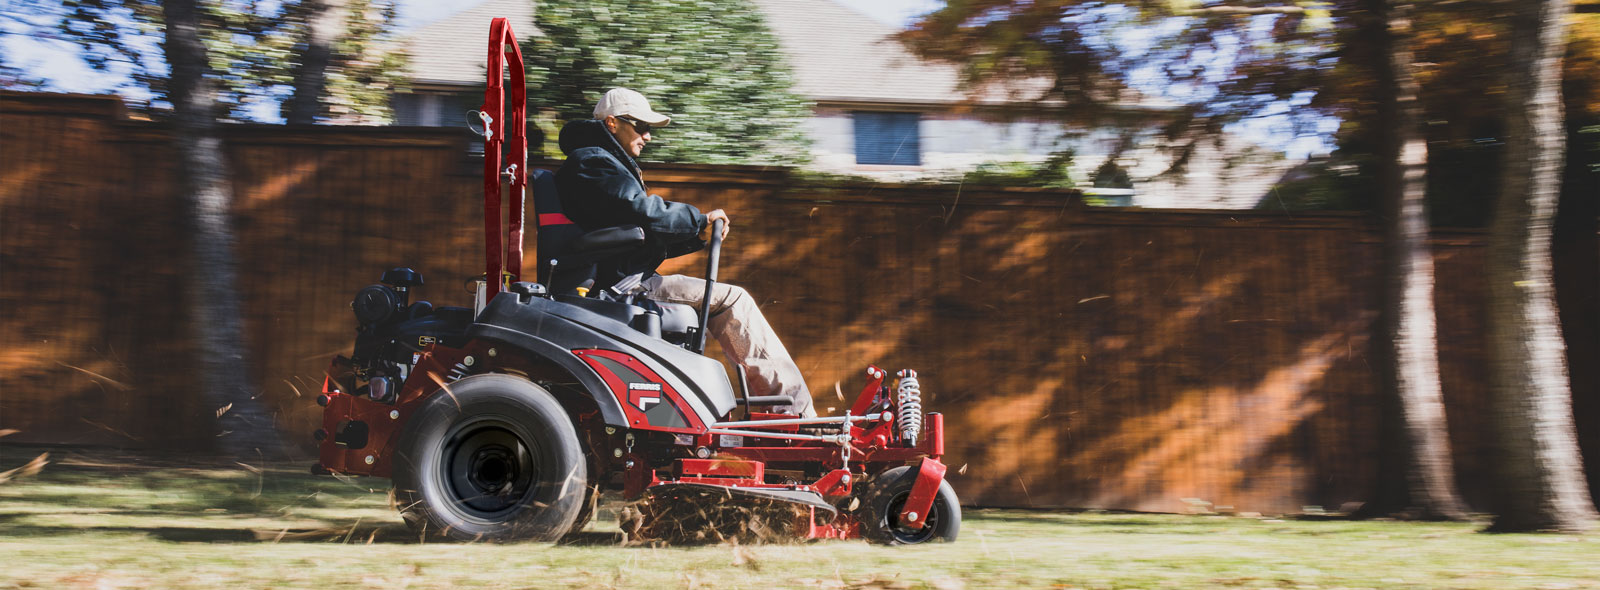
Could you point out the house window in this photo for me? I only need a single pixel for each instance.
(430, 109)
(892, 139)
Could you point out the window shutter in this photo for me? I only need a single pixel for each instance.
(407, 111)
(892, 139)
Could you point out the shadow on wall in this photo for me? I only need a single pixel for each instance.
(1081, 363)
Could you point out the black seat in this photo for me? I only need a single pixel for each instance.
(568, 255)
(568, 258)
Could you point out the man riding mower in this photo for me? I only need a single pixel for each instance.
(503, 421)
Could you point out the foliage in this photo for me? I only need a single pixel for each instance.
(1580, 90)
(252, 48)
(1462, 50)
(1462, 55)
(1318, 184)
(1111, 175)
(1228, 61)
(712, 65)
(1098, 57)
(1053, 172)
(364, 71)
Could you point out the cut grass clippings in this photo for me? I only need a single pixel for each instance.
(98, 519)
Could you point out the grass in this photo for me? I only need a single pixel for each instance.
(98, 519)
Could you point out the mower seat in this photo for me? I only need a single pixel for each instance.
(568, 257)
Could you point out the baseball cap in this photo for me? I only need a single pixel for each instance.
(621, 101)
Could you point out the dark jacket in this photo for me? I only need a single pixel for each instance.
(600, 186)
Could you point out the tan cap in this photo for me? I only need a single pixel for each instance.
(621, 101)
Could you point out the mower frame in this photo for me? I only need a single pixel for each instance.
(612, 385)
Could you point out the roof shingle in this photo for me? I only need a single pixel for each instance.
(452, 51)
(838, 54)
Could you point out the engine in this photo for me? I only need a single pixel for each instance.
(392, 332)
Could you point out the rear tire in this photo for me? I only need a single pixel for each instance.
(495, 458)
(886, 496)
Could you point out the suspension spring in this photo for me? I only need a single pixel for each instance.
(909, 395)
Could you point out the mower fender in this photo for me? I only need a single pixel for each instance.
(930, 473)
(610, 410)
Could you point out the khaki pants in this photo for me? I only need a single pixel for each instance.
(746, 338)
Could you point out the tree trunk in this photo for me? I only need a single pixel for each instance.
(1416, 476)
(324, 20)
(1576, 259)
(245, 428)
(1540, 471)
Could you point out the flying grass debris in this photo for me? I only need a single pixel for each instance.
(29, 470)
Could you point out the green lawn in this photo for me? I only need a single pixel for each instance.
(95, 519)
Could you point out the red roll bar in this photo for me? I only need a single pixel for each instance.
(503, 267)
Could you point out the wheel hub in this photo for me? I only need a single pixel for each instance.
(908, 535)
(490, 469)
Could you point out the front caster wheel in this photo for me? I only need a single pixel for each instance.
(494, 458)
(887, 495)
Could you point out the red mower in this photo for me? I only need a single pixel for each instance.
(504, 421)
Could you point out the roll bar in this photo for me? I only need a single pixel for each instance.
(503, 264)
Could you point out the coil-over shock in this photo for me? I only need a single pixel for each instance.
(908, 398)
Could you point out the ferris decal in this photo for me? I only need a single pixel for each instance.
(644, 395)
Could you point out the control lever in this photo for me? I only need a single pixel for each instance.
(713, 256)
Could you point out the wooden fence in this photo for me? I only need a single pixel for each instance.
(1083, 357)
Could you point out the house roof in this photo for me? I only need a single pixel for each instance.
(836, 54)
(452, 51)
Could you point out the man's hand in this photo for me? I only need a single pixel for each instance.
(705, 233)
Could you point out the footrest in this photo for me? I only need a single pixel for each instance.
(768, 400)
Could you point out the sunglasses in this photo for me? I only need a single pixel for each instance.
(638, 126)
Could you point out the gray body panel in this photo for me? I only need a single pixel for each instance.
(553, 330)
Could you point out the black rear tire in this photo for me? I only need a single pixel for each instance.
(493, 458)
(886, 496)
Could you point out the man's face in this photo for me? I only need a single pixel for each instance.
(630, 133)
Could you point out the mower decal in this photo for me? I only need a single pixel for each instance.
(646, 400)
(644, 395)
(426, 340)
(664, 415)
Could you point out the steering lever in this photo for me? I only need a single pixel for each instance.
(713, 257)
